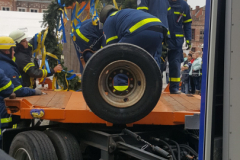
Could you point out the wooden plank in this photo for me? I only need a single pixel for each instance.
(76, 102)
(60, 100)
(176, 106)
(32, 99)
(191, 99)
(189, 106)
(45, 99)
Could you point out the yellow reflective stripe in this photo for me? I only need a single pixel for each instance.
(146, 8)
(187, 41)
(6, 86)
(44, 75)
(20, 76)
(174, 79)
(169, 9)
(25, 69)
(0, 132)
(189, 20)
(17, 88)
(114, 13)
(142, 23)
(14, 59)
(111, 38)
(6, 120)
(179, 35)
(120, 88)
(168, 33)
(14, 126)
(180, 13)
(82, 36)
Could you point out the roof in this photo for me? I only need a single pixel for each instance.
(39, 1)
(27, 21)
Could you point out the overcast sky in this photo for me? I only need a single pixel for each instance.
(194, 3)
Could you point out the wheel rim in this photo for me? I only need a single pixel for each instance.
(22, 154)
(134, 90)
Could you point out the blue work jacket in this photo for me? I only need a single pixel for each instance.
(126, 22)
(158, 8)
(179, 21)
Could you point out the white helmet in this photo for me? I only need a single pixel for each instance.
(18, 36)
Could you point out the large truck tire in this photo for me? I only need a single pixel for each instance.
(32, 145)
(65, 144)
(144, 83)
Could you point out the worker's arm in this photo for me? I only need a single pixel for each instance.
(169, 7)
(19, 90)
(6, 86)
(33, 71)
(142, 5)
(187, 22)
(110, 33)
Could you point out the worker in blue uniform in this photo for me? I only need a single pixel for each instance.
(179, 21)
(11, 71)
(6, 89)
(132, 26)
(87, 40)
(160, 9)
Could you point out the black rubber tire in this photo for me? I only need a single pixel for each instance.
(99, 61)
(65, 144)
(36, 143)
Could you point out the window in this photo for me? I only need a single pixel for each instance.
(201, 34)
(193, 34)
(44, 10)
(21, 9)
(5, 8)
(34, 10)
(194, 49)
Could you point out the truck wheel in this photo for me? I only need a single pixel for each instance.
(32, 145)
(65, 144)
(132, 102)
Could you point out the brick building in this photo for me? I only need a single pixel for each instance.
(198, 17)
(37, 6)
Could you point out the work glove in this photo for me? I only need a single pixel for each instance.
(38, 92)
(188, 44)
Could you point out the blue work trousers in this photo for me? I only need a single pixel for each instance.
(146, 39)
(175, 58)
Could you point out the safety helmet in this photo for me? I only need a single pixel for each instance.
(106, 11)
(18, 36)
(6, 43)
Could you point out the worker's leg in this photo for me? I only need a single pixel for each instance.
(175, 59)
(87, 55)
(158, 54)
(120, 82)
(147, 39)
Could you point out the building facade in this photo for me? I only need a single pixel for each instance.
(35, 6)
(198, 22)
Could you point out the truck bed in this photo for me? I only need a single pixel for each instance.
(70, 107)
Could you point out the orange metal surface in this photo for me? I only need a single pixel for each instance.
(70, 107)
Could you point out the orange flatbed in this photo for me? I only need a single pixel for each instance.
(70, 107)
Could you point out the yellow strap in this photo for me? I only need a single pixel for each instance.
(174, 79)
(114, 13)
(189, 20)
(6, 86)
(6, 120)
(111, 38)
(26, 68)
(179, 35)
(115, 4)
(121, 88)
(180, 13)
(95, 22)
(82, 36)
(17, 88)
(139, 8)
(169, 9)
(142, 23)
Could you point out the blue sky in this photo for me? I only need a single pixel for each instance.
(194, 3)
